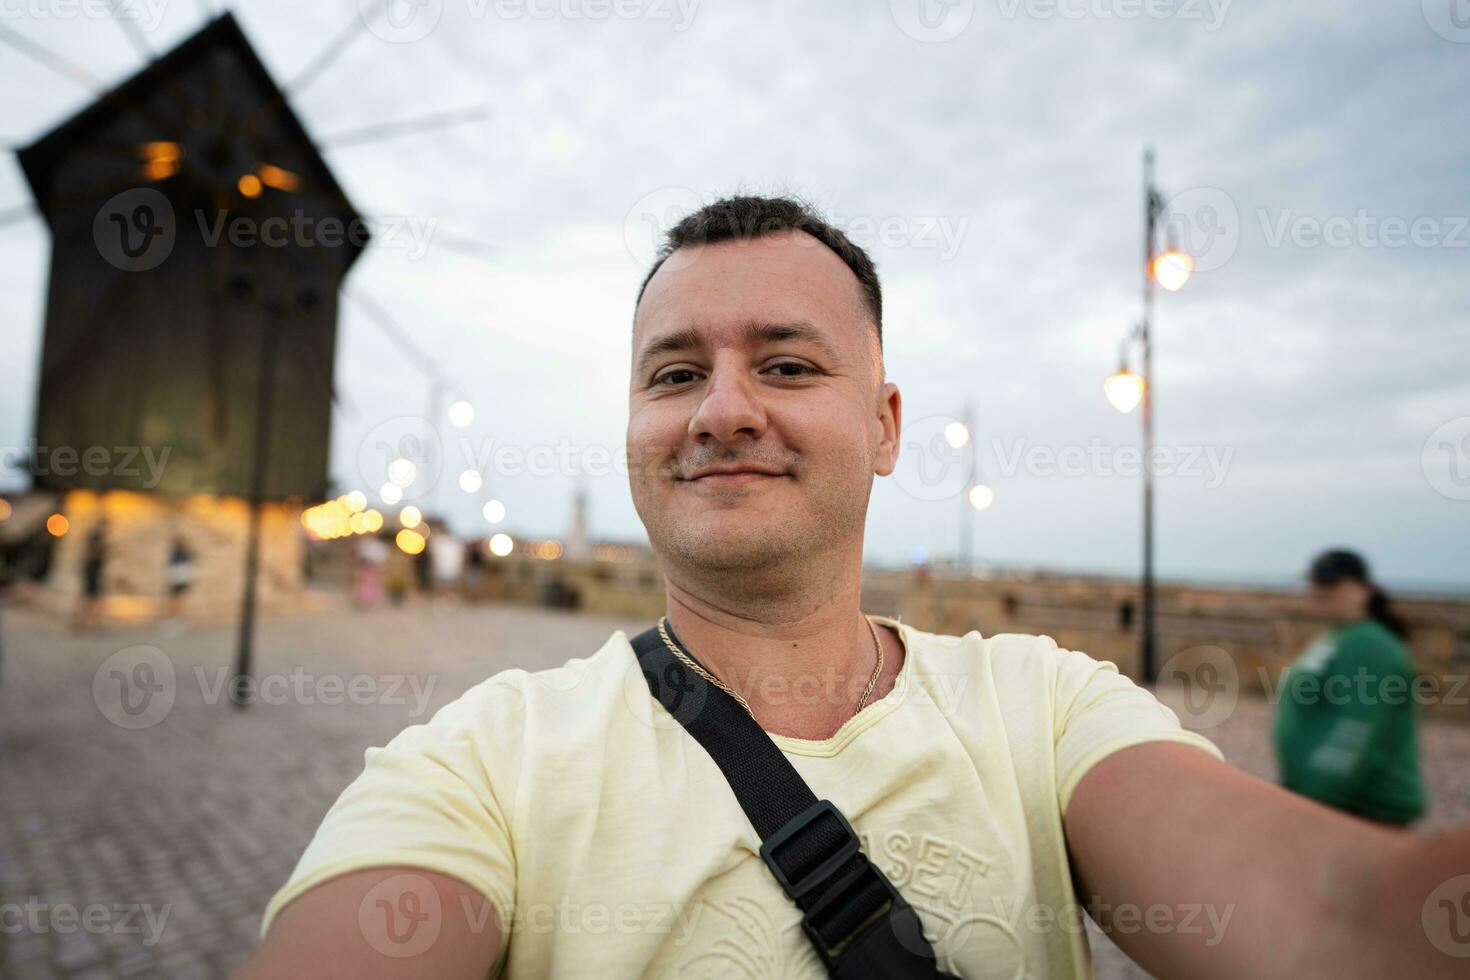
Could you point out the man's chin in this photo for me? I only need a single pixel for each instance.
(745, 545)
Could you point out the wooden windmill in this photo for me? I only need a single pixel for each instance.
(199, 246)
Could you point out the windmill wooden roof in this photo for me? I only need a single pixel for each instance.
(166, 101)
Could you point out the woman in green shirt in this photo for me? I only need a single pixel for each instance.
(1347, 727)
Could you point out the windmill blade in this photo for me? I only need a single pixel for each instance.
(69, 69)
(400, 337)
(131, 29)
(392, 130)
(45, 56)
(334, 48)
(451, 241)
(16, 215)
(343, 406)
(344, 38)
(461, 244)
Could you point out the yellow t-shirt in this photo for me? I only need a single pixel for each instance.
(611, 845)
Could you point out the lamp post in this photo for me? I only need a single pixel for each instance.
(1170, 268)
(976, 496)
(259, 459)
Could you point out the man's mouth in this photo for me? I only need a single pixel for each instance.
(731, 476)
(738, 478)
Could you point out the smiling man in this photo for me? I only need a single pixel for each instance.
(607, 818)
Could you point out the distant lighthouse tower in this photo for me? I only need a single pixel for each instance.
(579, 548)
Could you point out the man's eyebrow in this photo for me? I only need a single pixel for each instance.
(757, 333)
(670, 343)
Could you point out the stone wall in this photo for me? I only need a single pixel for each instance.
(141, 528)
(1259, 631)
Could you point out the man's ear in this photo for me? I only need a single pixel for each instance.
(890, 420)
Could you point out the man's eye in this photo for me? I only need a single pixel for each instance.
(791, 369)
(677, 376)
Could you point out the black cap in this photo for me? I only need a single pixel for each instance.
(1338, 565)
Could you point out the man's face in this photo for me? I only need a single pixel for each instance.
(757, 415)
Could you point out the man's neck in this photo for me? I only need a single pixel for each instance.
(801, 662)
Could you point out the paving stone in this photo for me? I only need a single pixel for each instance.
(23, 948)
(93, 973)
(76, 950)
(204, 814)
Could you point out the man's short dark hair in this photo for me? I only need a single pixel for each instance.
(743, 216)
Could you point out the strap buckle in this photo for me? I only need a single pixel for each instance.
(849, 846)
(840, 906)
(821, 921)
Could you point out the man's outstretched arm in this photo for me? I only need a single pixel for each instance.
(1271, 884)
(382, 922)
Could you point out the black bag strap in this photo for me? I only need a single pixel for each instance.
(859, 924)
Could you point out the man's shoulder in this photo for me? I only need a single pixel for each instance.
(566, 695)
(1005, 651)
(569, 678)
(1013, 665)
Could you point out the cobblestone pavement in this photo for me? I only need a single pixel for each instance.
(151, 851)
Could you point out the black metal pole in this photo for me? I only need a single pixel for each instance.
(1149, 650)
(967, 511)
(434, 465)
(259, 461)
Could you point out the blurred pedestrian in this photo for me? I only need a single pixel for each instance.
(180, 577)
(367, 583)
(396, 581)
(446, 553)
(94, 565)
(474, 570)
(1347, 726)
(423, 572)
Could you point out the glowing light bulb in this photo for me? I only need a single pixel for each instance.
(1124, 390)
(1172, 269)
(461, 414)
(402, 471)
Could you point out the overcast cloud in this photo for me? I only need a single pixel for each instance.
(1312, 381)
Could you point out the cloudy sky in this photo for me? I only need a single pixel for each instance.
(1312, 380)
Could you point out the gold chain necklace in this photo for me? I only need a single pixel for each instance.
(699, 669)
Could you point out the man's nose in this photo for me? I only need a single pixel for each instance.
(731, 408)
